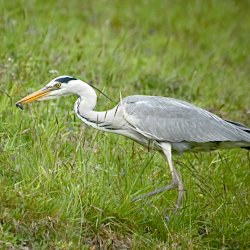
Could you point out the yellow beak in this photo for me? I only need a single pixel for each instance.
(33, 97)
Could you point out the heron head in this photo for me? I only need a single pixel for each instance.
(60, 86)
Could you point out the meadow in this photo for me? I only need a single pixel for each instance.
(66, 186)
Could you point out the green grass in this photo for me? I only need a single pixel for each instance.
(66, 186)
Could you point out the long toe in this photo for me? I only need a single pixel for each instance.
(170, 186)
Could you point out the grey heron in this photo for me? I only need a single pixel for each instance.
(165, 124)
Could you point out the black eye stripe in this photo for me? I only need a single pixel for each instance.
(65, 79)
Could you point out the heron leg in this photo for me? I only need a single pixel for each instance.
(176, 179)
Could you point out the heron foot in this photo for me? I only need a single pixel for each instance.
(170, 186)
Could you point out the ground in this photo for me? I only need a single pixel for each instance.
(66, 186)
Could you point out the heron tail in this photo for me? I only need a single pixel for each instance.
(244, 128)
(240, 126)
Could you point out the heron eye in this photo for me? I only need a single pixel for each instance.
(57, 85)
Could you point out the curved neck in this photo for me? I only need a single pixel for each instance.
(84, 106)
(88, 98)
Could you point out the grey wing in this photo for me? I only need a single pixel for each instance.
(172, 120)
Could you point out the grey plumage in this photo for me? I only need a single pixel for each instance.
(165, 124)
(170, 120)
(170, 126)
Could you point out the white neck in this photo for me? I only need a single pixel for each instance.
(84, 107)
(111, 120)
(88, 98)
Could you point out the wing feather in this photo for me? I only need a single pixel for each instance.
(168, 119)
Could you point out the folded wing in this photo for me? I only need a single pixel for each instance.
(172, 120)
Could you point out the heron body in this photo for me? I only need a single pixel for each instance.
(165, 124)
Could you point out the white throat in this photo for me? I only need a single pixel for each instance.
(85, 104)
